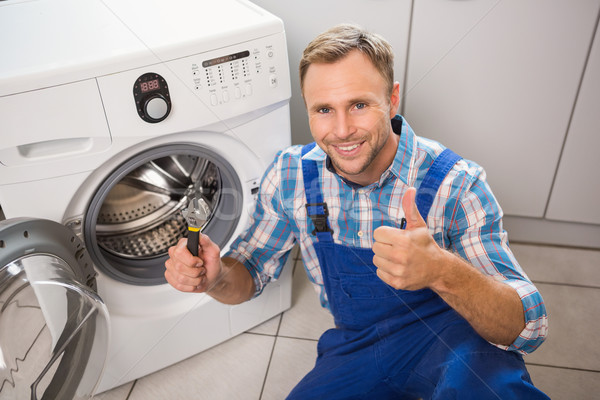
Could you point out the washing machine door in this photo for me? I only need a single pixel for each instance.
(54, 329)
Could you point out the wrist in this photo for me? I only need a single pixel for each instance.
(444, 265)
(218, 280)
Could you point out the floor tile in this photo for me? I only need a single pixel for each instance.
(574, 323)
(118, 393)
(269, 327)
(235, 369)
(292, 359)
(559, 264)
(306, 319)
(565, 384)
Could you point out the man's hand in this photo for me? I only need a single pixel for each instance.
(410, 259)
(193, 274)
(226, 279)
(407, 259)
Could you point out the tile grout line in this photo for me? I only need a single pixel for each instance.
(573, 285)
(271, 356)
(131, 390)
(298, 338)
(558, 246)
(563, 367)
(297, 257)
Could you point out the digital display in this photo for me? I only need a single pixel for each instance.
(224, 59)
(149, 85)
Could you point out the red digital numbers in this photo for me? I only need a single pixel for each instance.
(149, 85)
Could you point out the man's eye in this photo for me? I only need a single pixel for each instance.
(324, 110)
(360, 105)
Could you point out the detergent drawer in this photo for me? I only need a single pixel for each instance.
(52, 123)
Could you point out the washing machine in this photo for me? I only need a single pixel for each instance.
(113, 115)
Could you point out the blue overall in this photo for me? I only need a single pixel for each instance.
(398, 344)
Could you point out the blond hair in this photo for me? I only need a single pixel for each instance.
(335, 43)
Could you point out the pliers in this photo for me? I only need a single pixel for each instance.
(196, 215)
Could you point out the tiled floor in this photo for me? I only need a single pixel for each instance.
(266, 362)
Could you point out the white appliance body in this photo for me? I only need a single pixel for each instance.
(214, 85)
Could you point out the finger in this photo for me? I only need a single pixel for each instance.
(180, 242)
(182, 261)
(182, 256)
(381, 263)
(181, 253)
(385, 252)
(389, 279)
(411, 212)
(398, 239)
(391, 263)
(183, 283)
(385, 234)
(208, 247)
(177, 268)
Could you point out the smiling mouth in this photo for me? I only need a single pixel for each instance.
(348, 148)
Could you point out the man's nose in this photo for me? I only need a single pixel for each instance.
(344, 127)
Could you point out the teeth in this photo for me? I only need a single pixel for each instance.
(348, 148)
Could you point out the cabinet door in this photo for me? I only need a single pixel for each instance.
(305, 19)
(496, 81)
(577, 187)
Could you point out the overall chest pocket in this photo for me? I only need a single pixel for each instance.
(368, 286)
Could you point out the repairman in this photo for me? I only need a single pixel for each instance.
(436, 308)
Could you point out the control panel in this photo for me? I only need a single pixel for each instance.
(239, 75)
(152, 98)
(236, 81)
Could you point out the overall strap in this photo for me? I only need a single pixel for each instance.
(316, 208)
(433, 179)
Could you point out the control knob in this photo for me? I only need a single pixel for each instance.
(156, 107)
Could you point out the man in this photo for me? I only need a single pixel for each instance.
(413, 318)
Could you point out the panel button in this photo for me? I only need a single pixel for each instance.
(273, 80)
(213, 99)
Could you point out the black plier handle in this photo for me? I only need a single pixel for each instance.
(193, 242)
(196, 215)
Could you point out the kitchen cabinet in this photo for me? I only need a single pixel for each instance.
(577, 186)
(497, 81)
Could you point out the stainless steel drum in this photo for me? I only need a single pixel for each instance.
(136, 216)
(141, 215)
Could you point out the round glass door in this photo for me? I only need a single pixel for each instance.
(54, 329)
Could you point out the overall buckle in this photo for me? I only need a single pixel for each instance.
(319, 220)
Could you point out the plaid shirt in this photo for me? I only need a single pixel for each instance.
(464, 218)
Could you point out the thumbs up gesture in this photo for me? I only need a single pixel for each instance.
(407, 259)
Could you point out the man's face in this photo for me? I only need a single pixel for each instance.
(349, 112)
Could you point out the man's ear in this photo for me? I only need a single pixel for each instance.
(395, 100)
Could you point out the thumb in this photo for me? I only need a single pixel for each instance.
(411, 213)
(209, 248)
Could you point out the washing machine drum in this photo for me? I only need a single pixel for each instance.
(53, 327)
(136, 214)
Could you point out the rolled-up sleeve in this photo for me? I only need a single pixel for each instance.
(536, 320)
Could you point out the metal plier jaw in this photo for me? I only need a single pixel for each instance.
(196, 214)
